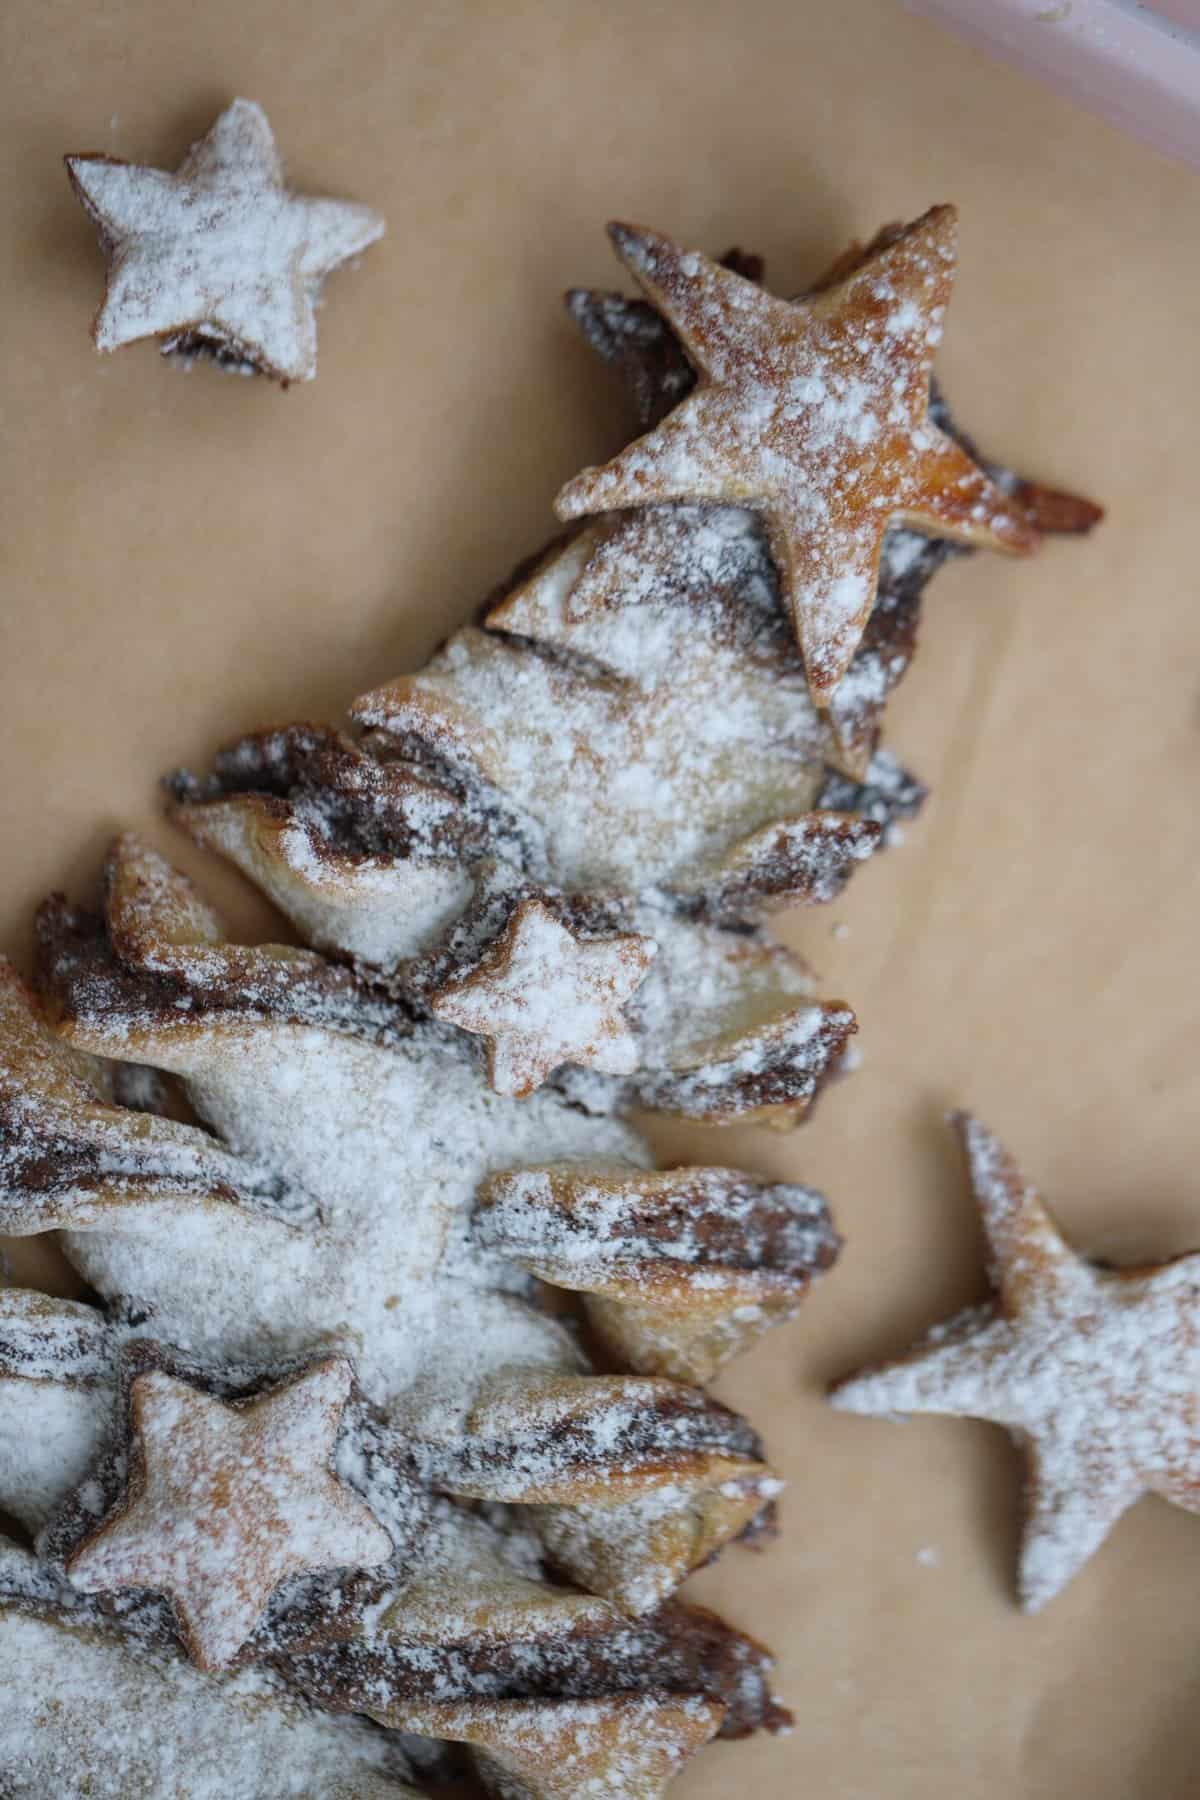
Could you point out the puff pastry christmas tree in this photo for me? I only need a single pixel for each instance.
(321, 1430)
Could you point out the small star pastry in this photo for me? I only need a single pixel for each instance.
(226, 1501)
(1095, 1371)
(543, 997)
(219, 258)
(814, 412)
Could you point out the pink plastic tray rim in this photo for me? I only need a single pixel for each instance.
(1138, 65)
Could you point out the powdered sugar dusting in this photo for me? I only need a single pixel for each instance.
(562, 1219)
(627, 1749)
(395, 1141)
(1095, 1372)
(705, 989)
(50, 1434)
(543, 997)
(642, 780)
(145, 1724)
(228, 1501)
(220, 255)
(816, 413)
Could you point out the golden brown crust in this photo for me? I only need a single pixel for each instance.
(625, 1748)
(827, 395)
(681, 1269)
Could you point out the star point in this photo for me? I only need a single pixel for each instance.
(814, 412)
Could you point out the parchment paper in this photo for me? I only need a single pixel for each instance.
(185, 557)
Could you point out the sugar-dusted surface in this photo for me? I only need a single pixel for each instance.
(227, 1501)
(706, 1216)
(511, 1411)
(816, 412)
(56, 1394)
(727, 563)
(49, 1438)
(630, 785)
(629, 1751)
(219, 256)
(395, 1142)
(543, 996)
(706, 987)
(1096, 1373)
(1014, 933)
(143, 1725)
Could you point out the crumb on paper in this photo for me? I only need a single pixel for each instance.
(839, 931)
(928, 1556)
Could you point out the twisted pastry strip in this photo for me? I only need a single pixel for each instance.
(681, 1269)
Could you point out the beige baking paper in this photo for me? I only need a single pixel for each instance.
(185, 557)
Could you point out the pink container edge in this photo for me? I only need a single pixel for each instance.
(1137, 65)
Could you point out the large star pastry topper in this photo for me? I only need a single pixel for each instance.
(815, 412)
(1095, 1371)
(542, 997)
(226, 1501)
(219, 256)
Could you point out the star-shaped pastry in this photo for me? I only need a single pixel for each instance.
(218, 257)
(631, 337)
(1094, 1370)
(816, 413)
(543, 997)
(227, 1500)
